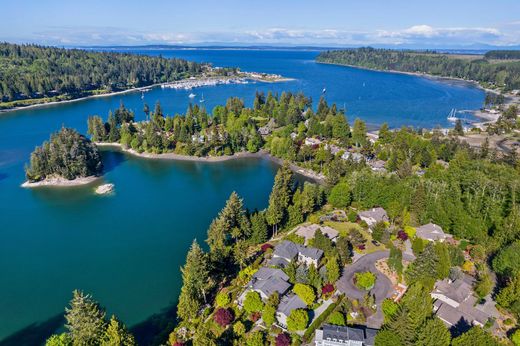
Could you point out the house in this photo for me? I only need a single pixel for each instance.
(356, 157)
(267, 281)
(197, 138)
(373, 216)
(288, 251)
(432, 232)
(308, 232)
(377, 165)
(331, 335)
(288, 303)
(334, 149)
(312, 142)
(309, 255)
(456, 305)
(268, 128)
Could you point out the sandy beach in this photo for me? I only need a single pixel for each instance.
(59, 181)
(319, 178)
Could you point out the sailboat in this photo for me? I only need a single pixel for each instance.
(453, 115)
(192, 95)
(202, 98)
(324, 90)
(142, 95)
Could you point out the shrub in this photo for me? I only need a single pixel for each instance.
(515, 337)
(410, 231)
(239, 328)
(417, 246)
(297, 320)
(365, 280)
(282, 339)
(340, 196)
(401, 235)
(389, 309)
(337, 319)
(305, 292)
(223, 317)
(255, 339)
(327, 289)
(268, 315)
(253, 302)
(223, 299)
(352, 216)
(266, 247)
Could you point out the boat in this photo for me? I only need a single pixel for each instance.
(202, 98)
(192, 95)
(324, 90)
(142, 95)
(453, 115)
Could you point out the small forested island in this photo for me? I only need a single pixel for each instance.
(68, 158)
(495, 69)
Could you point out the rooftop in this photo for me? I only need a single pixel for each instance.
(289, 303)
(343, 334)
(431, 231)
(310, 252)
(378, 214)
(308, 231)
(286, 249)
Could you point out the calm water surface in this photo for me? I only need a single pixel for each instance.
(126, 249)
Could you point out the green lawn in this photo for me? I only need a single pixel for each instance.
(344, 228)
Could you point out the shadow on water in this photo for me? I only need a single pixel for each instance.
(112, 159)
(3, 176)
(155, 329)
(34, 334)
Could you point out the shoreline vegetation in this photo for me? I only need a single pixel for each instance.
(58, 181)
(34, 76)
(261, 154)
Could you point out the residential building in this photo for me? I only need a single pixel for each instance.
(331, 335)
(268, 128)
(455, 304)
(267, 281)
(356, 157)
(288, 251)
(373, 216)
(377, 165)
(432, 232)
(288, 303)
(308, 232)
(313, 142)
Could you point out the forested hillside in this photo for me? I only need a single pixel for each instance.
(500, 74)
(36, 72)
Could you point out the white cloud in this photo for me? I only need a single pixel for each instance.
(420, 34)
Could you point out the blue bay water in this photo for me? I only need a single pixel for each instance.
(126, 249)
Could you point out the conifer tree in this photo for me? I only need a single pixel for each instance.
(116, 334)
(434, 333)
(85, 320)
(280, 197)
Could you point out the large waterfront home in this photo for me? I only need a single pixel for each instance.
(288, 251)
(308, 232)
(432, 232)
(288, 303)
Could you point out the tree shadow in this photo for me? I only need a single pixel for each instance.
(35, 333)
(156, 328)
(3, 176)
(112, 159)
(461, 327)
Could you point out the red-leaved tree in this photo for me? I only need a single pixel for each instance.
(223, 317)
(283, 339)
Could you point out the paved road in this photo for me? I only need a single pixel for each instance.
(383, 287)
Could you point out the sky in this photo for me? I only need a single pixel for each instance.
(407, 23)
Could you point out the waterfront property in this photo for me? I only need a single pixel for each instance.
(288, 251)
(330, 335)
(288, 304)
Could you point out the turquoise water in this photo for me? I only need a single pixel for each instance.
(126, 249)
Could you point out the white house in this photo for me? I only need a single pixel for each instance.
(373, 216)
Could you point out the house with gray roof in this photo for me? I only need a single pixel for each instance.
(373, 216)
(455, 303)
(356, 157)
(377, 165)
(289, 251)
(309, 255)
(308, 232)
(330, 335)
(432, 232)
(267, 281)
(288, 303)
(286, 250)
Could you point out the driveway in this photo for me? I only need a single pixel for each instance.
(382, 289)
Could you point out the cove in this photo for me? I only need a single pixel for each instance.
(126, 249)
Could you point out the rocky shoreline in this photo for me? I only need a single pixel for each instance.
(60, 181)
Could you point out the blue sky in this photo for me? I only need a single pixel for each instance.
(435, 23)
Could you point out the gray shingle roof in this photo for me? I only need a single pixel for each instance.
(310, 252)
(431, 231)
(265, 273)
(378, 214)
(289, 303)
(286, 249)
(278, 262)
(271, 285)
